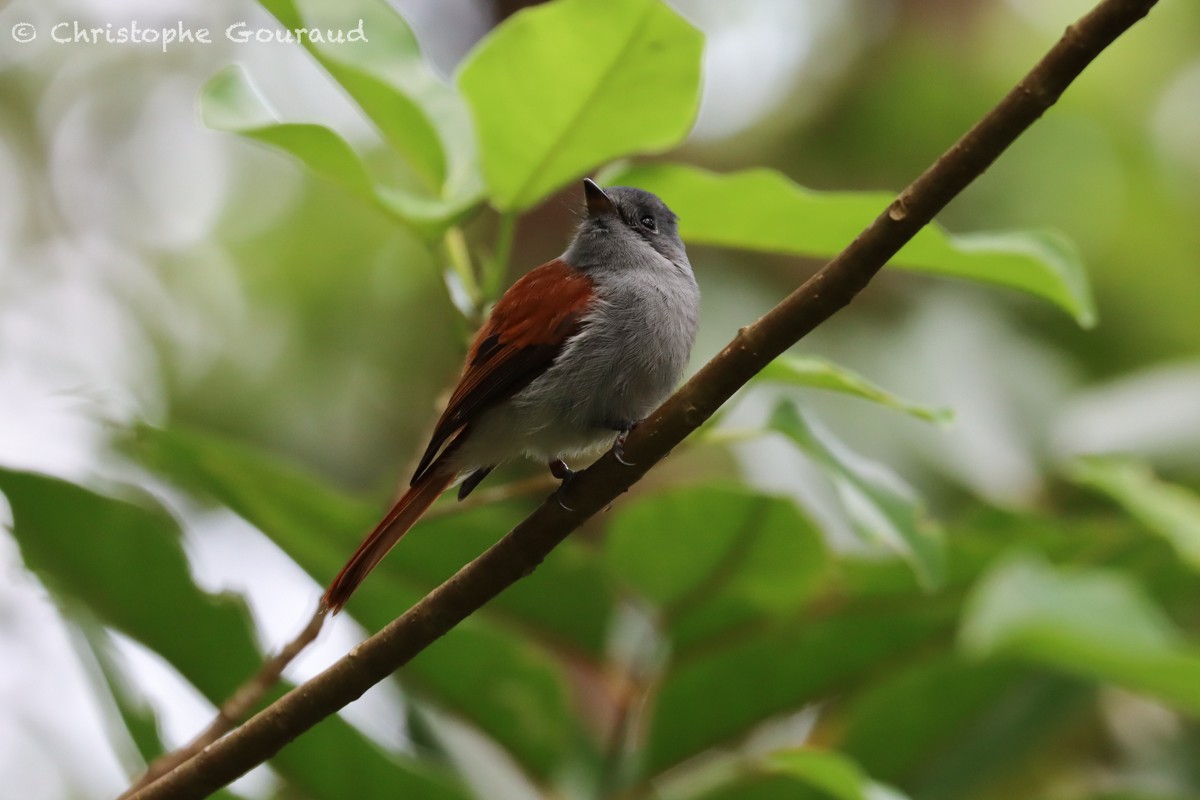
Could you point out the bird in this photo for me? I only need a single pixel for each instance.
(572, 356)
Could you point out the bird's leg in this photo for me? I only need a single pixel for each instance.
(472, 481)
(560, 470)
(618, 447)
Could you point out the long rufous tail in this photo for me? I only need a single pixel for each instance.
(403, 515)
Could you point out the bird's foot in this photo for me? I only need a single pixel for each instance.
(560, 470)
(618, 447)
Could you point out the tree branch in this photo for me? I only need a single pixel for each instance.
(518, 553)
(235, 708)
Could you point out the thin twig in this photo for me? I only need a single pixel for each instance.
(519, 553)
(497, 266)
(236, 708)
(459, 256)
(643, 671)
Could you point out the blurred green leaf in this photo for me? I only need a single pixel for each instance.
(714, 556)
(510, 688)
(229, 102)
(1091, 623)
(379, 72)
(760, 209)
(112, 555)
(578, 618)
(817, 373)
(1171, 511)
(882, 509)
(799, 774)
(715, 694)
(420, 116)
(879, 732)
(305, 517)
(123, 562)
(833, 773)
(320, 527)
(944, 727)
(136, 714)
(558, 89)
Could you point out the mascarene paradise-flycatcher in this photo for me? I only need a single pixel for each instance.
(573, 355)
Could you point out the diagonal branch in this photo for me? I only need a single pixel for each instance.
(519, 553)
(236, 707)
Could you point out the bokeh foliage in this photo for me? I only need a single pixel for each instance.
(707, 638)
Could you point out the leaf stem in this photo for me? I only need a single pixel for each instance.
(459, 256)
(497, 267)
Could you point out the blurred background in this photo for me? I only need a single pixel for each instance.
(153, 270)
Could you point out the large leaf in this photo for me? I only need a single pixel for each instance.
(230, 103)
(715, 557)
(561, 88)
(817, 373)
(319, 527)
(493, 677)
(882, 509)
(389, 79)
(945, 727)
(716, 694)
(123, 562)
(1171, 511)
(1090, 623)
(760, 209)
(378, 72)
(136, 714)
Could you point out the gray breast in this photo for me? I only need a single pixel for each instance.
(638, 341)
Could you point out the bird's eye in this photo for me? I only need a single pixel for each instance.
(648, 223)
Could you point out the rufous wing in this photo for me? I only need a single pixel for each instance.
(519, 341)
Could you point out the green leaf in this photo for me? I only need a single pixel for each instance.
(713, 557)
(802, 773)
(509, 687)
(762, 210)
(419, 115)
(817, 373)
(320, 527)
(833, 773)
(716, 694)
(88, 549)
(563, 87)
(895, 518)
(136, 714)
(229, 102)
(1171, 511)
(946, 727)
(380, 73)
(576, 621)
(123, 563)
(1091, 623)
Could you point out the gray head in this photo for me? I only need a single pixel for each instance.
(622, 220)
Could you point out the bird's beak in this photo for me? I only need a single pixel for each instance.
(598, 203)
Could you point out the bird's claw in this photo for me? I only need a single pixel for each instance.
(618, 448)
(560, 470)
